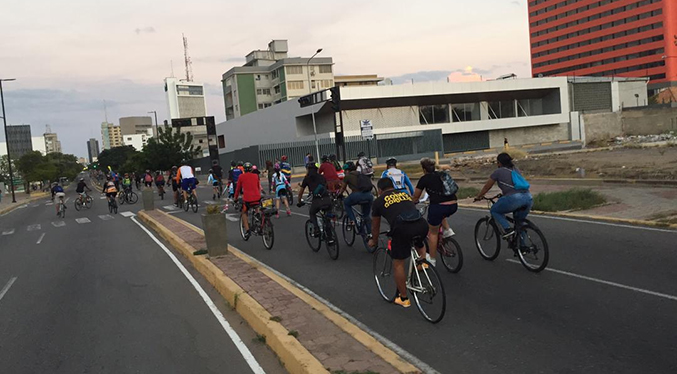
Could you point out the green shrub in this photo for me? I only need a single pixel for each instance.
(466, 192)
(574, 199)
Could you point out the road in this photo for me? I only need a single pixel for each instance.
(607, 303)
(95, 293)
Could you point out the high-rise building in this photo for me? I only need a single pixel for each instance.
(185, 99)
(136, 125)
(93, 150)
(38, 143)
(612, 38)
(270, 77)
(52, 143)
(111, 135)
(19, 140)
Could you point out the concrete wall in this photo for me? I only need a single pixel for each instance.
(627, 92)
(529, 135)
(638, 121)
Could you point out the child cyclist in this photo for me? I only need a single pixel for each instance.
(281, 184)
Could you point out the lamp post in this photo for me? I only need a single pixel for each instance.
(9, 156)
(312, 113)
(154, 112)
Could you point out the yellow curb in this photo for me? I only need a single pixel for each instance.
(528, 146)
(469, 152)
(361, 336)
(546, 143)
(33, 197)
(295, 357)
(637, 222)
(564, 141)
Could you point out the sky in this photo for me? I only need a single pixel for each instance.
(69, 56)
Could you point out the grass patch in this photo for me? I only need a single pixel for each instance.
(276, 319)
(294, 333)
(260, 339)
(666, 218)
(466, 192)
(574, 199)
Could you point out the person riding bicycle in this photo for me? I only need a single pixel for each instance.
(406, 224)
(364, 165)
(80, 189)
(249, 185)
(285, 168)
(126, 184)
(218, 172)
(110, 189)
(516, 198)
(171, 175)
(317, 186)
(159, 179)
(280, 183)
(399, 177)
(328, 171)
(214, 182)
(337, 166)
(186, 178)
(441, 205)
(360, 187)
(58, 192)
(148, 179)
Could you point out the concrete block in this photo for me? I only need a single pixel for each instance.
(216, 234)
(148, 199)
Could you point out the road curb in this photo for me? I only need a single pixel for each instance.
(35, 196)
(627, 221)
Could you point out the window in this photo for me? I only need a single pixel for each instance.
(327, 83)
(465, 112)
(222, 141)
(259, 91)
(295, 85)
(430, 114)
(274, 74)
(325, 69)
(294, 70)
(260, 106)
(258, 77)
(501, 109)
(266, 91)
(277, 89)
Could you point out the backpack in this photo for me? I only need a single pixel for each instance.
(320, 191)
(160, 178)
(518, 181)
(366, 166)
(148, 178)
(450, 186)
(364, 183)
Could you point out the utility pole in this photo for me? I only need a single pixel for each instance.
(154, 112)
(9, 157)
(312, 112)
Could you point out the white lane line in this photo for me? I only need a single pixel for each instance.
(170, 207)
(8, 232)
(127, 214)
(33, 227)
(106, 217)
(175, 211)
(68, 198)
(233, 217)
(41, 237)
(7, 286)
(82, 220)
(586, 221)
(49, 204)
(608, 283)
(244, 351)
(102, 198)
(59, 224)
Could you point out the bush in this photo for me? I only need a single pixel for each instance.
(466, 192)
(574, 199)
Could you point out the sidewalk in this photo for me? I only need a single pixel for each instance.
(6, 205)
(317, 339)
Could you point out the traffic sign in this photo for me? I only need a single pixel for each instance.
(367, 129)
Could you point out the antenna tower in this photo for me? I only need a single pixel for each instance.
(48, 129)
(189, 64)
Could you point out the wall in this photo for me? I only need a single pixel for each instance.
(529, 135)
(246, 93)
(636, 121)
(627, 92)
(591, 96)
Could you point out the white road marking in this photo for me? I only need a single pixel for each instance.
(68, 198)
(102, 198)
(8, 232)
(175, 211)
(608, 283)
(106, 217)
(35, 205)
(244, 351)
(7, 286)
(41, 237)
(233, 217)
(34, 227)
(82, 220)
(22, 206)
(170, 207)
(49, 204)
(59, 224)
(127, 214)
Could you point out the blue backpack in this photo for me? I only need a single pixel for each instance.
(518, 181)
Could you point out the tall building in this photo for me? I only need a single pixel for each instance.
(93, 150)
(52, 143)
(19, 140)
(38, 143)
(270, 77)
(111, 135)
(185, 99)
(138, 141)
(136, 125)
(612, 38)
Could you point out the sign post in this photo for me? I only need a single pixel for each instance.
(367, 130)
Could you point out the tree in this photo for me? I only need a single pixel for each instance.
(4, 168)
(66, 165)
(116, 157)
(34, 167)
(169, 148)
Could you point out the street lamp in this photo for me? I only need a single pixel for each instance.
(312, 112)
(9, 157)
(154, 112)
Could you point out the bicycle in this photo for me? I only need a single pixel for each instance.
(85, 202)
(423, 281)
(191, 202)
(337, 204)
(112, 205)
(528, 243)
(161, 191)
(351, 229)
(326, 223)
(260, 223)
(61, 208)
(128, 196)
(448, 248)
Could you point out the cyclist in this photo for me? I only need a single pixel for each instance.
(116, 179)
(285, 168)
(159, 181)
(514, 200)
(317, 186)
(360, 187)
(81, 189)
(148, 179)
(364, 165)
(328, 171)
(137, 179)
(279, 181)
(126, 184)
(400, 179)
(186, 178)
(250, 186)
(406, 223)
(218, 172)
(58, 192)
(109, 189)
(214, 182)
(441, 205)
(337, 166)
(175, 184)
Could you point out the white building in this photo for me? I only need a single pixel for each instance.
(185, 99)
(39, 144)
(138, 141)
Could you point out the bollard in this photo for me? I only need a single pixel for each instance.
(437, 158)
(148, 199)
(216, 234)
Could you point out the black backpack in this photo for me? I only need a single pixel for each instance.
(449, 185)
(364, 183)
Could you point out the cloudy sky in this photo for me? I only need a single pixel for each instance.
(70, 55)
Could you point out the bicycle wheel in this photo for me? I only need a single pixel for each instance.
(365, 237)
(314, 243)
(533, 248)
(348, 231)
(242, 230)
(62, 208)
(115, 207)
(290, 196)
(121, 198)
(268, 234)
(383, 275)
(194, 204)
(88, 202)
(487, 239)
(451, 254)
(186, 204)
(331, 241)
(132, 197)
(428, 292)
(110, 207)
(339, 208)
(78, 204)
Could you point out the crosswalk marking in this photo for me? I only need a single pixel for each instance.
(102, 198)
(170, 207)
(8, 232)
(233, 217)
(49, 204)
(35, 205)
(34, 227)
(106, 217)
(82, 220)
(127, 214)
(58, 223)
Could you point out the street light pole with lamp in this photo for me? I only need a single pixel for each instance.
(154, 112)
(312, 113)
(9, 157)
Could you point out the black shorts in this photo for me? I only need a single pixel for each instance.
(175, 186)
(402, 236)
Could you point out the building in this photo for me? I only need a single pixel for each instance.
(111, 135)
(138, 141)
(414, 120)
(19, 140)
(38, 143)
(52, 143)
(605, 39)
(92, 150)
(270, 77)
(136, 125)
(357, 80)
(185, 99)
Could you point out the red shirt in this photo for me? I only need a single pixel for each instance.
(250, 185)
(328, 170)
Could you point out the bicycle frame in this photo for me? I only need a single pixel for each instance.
(415, 258)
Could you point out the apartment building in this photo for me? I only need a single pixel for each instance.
(111, 135)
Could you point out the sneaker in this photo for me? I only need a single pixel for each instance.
(247, 235)
(288, 213)
(406, 303)
(277, 215)
(433, 262)
(448, 233)
(508, 234)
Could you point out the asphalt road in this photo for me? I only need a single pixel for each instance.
(607, 304)
(98, 295)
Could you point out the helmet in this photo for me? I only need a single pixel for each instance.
(349, 166)
(211, 171)
(276, 167)
(311, 165)
(360, 155)
(391, 161)
(247, 166)
(215, 162)
(325, 158)
(240, 163)
(147, 171)
(254, 167)
(174, 168)
(233, 163)
(283, 158)
(82, 179)
(332, 157)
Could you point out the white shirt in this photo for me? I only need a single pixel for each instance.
(186, 172)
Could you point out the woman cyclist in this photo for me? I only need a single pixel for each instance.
(280, 183)
(514, 200)
(214, 182)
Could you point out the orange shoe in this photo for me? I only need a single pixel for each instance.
(403, 303)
